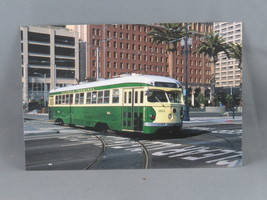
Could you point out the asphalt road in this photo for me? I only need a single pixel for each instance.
(200, 144)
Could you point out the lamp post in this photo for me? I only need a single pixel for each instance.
(45, 86)
(185, 43)
(233, 101)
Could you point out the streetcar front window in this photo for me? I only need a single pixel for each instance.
(174, 97)
(157, 96)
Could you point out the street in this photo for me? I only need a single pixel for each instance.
(203, 142)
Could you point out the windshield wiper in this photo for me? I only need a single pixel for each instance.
(159, 101)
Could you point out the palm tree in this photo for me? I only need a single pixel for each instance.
(235, 52)
(169, 34)
(212, 46)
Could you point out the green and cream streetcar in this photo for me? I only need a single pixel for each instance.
(131, 103)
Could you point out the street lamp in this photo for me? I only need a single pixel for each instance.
(186, 43)
(45, 86)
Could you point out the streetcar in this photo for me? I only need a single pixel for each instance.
(130, 103)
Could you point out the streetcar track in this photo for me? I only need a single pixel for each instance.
(147, 159)
(100, 156)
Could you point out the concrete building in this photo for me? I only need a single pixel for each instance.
(126, 48)
(227, 72)
(50, 59)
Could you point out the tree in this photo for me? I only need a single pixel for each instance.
(229, 100)
(201, 99)
(171, 35)
(235, 52)
(212, 45)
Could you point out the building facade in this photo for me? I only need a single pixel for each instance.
(50, 59)
(112, 50)
(227, 72)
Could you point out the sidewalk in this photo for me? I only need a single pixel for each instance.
(201, 121)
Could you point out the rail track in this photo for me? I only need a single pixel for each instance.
(108, 144)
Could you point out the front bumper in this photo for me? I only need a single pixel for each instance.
(150, 124)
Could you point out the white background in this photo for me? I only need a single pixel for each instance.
(248, 182)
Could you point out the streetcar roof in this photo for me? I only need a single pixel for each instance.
(137, 78)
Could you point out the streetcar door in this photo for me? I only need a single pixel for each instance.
(50, 107)
(132, 114)
(70, 102)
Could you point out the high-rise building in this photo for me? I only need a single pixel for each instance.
(227, 72)
(126, 48)
(50, 59)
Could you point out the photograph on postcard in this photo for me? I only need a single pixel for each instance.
(132, 96)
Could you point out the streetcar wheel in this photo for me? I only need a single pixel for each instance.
(101, 127)
(59, 122)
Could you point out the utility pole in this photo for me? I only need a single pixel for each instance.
(97, 63)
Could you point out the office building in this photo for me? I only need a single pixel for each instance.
(50, 59)
(227, 72)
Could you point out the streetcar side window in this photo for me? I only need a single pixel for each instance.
(77, 97)
(71, 99)
(88, 97)
(115, 96)
(63, 99)
(94, 97)
(125, 97)
(59, 99)
(136, 97)
(100, 97)
(106, 96)
(56, 99)
(81, 98)
(67, 98)
(130, 97)
(142, 97)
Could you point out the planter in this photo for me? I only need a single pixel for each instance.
(215, 109)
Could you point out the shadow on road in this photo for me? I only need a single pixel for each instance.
(184, 133)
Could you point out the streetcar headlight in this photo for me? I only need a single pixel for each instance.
(170, 116)
(174, 110)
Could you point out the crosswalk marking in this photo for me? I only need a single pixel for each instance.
(208, 155)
